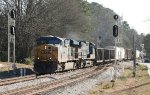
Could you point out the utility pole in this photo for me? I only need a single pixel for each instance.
(8, 40)
(11, 37)
(134, 57)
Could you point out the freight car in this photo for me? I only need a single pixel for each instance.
(119, 54)
(105, 55)
(128, 54)
(138, 54)
(52, 54)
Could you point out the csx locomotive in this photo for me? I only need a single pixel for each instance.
(52, 54)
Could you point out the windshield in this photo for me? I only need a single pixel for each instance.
(48, 40)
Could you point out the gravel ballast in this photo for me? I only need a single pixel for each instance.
(40, 80)
(81, 88)
(77, 88)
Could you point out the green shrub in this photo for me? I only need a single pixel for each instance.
(28, 61)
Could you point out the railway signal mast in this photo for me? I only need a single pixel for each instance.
(11, 37)
(115, 34)
(142, 52)
(134, 56)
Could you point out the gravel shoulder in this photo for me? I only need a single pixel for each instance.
(82, 87)
(1, 65)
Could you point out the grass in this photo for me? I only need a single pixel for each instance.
(126, 81)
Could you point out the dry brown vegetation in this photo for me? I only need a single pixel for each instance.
(126, 84)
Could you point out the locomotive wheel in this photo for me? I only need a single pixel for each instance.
(84, 63)
(78, 64)
(75, 66)
(92, 63)
(63, 66)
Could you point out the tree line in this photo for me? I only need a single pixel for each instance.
(76, 19)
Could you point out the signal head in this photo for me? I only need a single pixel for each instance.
(13, 14)
(12, 30)
(115, 30)
(115, 17)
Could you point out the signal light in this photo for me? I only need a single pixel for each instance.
(13, 14)
(115, 30)
(115, 17)
(12, 30)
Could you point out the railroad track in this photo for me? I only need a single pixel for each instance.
(51, 85)
(19, 79)
(9, 81)
(129, 88)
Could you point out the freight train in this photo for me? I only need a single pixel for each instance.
(52, 54)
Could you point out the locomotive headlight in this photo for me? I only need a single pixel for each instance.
(38, 58)
(49, 58)
(45, 47)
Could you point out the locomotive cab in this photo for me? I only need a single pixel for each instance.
(45, 54)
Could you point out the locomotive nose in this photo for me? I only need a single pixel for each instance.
(46, 52)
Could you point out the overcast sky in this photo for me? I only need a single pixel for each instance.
(135, 12)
